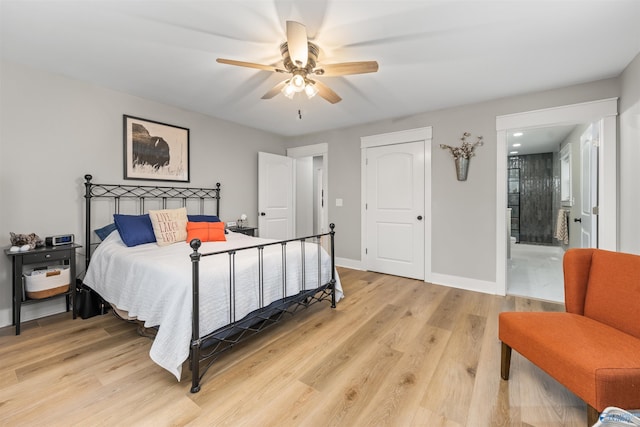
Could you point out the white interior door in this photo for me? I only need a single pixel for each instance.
(276, 180)
(395, 214)
(588, 187)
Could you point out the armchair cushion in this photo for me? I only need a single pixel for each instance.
(576, 265)
(613, 292)
(586, 356)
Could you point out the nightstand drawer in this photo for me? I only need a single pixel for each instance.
(45, 256)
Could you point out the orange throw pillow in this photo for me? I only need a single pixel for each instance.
(206, 231)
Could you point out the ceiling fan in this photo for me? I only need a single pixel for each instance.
(300, 58)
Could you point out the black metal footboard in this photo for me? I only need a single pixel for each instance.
(204, 350)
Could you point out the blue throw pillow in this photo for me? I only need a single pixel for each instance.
(104, 232)
(134, 229)
(203, 218)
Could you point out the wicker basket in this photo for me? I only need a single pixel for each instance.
(41, 284)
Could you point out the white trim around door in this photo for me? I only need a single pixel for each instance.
(400, 137)
(603, 111)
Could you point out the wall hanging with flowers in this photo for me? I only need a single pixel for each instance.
(462, 154)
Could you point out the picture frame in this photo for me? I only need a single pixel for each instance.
(155, 151)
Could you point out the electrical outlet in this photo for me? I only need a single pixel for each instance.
(231, 224)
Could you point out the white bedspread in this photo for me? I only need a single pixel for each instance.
(153, 283)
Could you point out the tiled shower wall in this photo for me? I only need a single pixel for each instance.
(539, 197)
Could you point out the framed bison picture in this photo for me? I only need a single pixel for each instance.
(155, 151)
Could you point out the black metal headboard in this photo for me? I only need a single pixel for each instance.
(119, 192)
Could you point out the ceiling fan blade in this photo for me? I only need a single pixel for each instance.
(326, 92)
(312, 13)
(275, 90)
(250, 65)
(345, 68)
(298, 43)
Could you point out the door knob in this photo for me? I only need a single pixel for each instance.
(577, 219)
(419, 217)
(262, 214)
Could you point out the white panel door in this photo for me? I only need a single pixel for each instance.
(588, 187)
(395, 209)
(275, 196)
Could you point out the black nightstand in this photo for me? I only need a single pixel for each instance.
(64, 254)
(249, 231)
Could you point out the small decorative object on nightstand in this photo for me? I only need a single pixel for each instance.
(249, 231)
(242, 221)
(49, 263)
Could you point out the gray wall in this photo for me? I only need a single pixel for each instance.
(53, 130)
(629, 155)
(463, 212)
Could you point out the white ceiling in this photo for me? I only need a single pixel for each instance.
(521, 142)
(432, 54)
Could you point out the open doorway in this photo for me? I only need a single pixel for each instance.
(551, 180)
(310, 189)
(603, 113)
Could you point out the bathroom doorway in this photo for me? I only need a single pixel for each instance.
(538, 215)
(544, 193)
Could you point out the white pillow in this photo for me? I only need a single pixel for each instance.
(169, 225)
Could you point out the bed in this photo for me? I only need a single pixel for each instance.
(203, 297)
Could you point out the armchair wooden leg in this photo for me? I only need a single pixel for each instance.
(592, 415)
(505, 362)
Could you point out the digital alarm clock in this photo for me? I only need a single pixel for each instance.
(63, 239)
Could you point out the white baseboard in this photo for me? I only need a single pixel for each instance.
(438, 279)
(355, 264)
(464, 283)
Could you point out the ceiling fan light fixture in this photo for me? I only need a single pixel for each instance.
(288, 90)
(299, 58)
(297, 83)
(311, 90)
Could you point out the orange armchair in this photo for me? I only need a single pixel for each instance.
(593, 348)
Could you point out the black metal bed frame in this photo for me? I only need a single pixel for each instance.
(206, 349)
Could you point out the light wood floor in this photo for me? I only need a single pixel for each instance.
(395, 352)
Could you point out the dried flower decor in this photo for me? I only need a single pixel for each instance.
(462, 154)
(466, 149)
